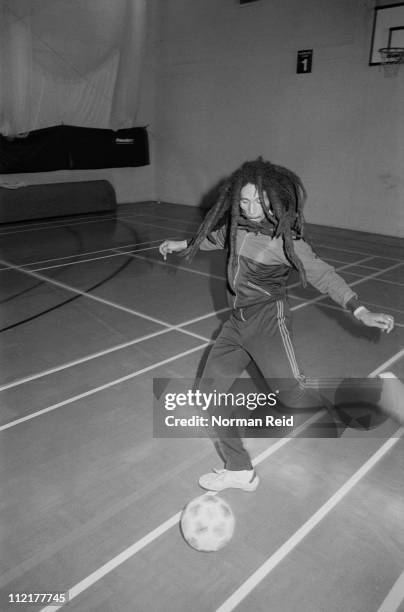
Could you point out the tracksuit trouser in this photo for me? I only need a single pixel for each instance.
(259, 333)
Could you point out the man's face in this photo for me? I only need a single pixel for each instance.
(250, 203)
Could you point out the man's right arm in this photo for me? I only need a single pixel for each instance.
(215, 240)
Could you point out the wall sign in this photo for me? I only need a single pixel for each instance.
(304, 61)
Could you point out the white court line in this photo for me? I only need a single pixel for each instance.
(51, 221)
(343, 250)
(317, 299)
(101, 300)
(168, 328)
(380, 308)
(37, 227)
(70, 400)
(195, 222)
(164, 263)
(112, 349)
(103, 387)
(82, 261)
(319, 244)
(379, 280)
(162, 528)
(83, 220)
(394, 597)
(44, 227)
(262, 572)
(387, 364)
(249, 585)
(120, 346)
(135, 216)
(84, 254)
(187, 269)
(358, 282)
(129, 552)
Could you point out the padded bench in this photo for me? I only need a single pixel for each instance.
(55, 200)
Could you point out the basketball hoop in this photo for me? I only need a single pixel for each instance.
(390, 59)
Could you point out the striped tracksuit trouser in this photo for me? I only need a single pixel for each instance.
(261, 334)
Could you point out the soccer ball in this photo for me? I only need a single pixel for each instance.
(207, 523)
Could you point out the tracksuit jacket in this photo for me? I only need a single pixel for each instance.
(263, 270)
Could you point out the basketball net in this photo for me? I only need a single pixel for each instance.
(390, 59)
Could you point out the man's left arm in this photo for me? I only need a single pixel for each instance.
(325, 279)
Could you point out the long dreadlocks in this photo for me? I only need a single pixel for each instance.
(286, 195)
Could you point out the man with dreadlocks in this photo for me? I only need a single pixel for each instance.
(260, 207)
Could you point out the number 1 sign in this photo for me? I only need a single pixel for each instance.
(304, 61)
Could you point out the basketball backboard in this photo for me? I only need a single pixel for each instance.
(388, 30)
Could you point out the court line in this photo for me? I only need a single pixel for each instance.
(103, 220)
(70, 400)
(164, 263)
(129, 552)
(100, 517)
(358, 282)
(273, 561)
(112, 349)
(99, 299)
(135, 216)
(387, 364)
(381, 308)
(168, 327)
(343, 250)
(84, 253)
(365, 302)
(112, 383)
(57, 225)
(181, 220)
(51, 221)
(81, 261)
(187, 269)
(117, 249)
(130, 216)
(379, 280)
(319, 244)
(395, 597)
(317, 299)
(83, 220)
(22, 268)
(117, 252)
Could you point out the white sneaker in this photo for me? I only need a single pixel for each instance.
(229, 479)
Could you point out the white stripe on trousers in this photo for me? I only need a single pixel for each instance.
(287, 343)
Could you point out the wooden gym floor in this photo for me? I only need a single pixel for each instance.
(90, 500)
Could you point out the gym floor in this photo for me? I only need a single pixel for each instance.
(90, 500)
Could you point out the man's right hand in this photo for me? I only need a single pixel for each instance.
(172, 246)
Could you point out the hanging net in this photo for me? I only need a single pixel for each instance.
(391, 58)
